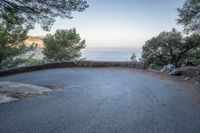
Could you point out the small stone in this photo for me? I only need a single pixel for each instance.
(186, 78)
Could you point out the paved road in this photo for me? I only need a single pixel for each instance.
(100, 101)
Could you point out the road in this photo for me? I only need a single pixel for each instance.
(100, 100)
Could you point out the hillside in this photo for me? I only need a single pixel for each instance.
(34, 40)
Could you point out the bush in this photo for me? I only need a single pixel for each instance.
(63, 45)
(133, 57)
(169, 48)
(20, 62)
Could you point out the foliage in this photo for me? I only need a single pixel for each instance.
(194, 56)
(18, 16)
(32, 61)
(44, 12)
(169, 48)
(63, 45)
(11, 41)
(189, 15)
(133, 57)
(19, 62)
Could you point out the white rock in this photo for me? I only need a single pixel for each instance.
(5, 99)
(168, 68)
(22, 88)
(186, 78)
(175, 72)
(19, 88)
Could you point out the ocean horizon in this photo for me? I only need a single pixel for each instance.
(110, 54)
(101, 53)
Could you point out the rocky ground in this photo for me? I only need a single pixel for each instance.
(191, 74)
(185, 75)
(12, 91)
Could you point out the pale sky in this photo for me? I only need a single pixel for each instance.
(120, 23)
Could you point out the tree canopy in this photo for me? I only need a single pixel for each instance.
(12, 38)
(63, 45)
(189, 15)
(169, 48)
(43, 12)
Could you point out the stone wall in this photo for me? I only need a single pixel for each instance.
(127, 64)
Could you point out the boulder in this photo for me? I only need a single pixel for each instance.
(12, 91)
(175, 72)
(168, 68)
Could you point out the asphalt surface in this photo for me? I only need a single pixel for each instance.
(100, 100)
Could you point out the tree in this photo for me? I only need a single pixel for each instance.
(169, 48)
(44, 12)
(12, 38)
(133, 57)
(189, 15)
(63, 45)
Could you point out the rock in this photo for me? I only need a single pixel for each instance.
(175, 72)
(7, 86)
(5, 99)
(168, 68)
(187, 78)
(12, 91)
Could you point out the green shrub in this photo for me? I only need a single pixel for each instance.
(63, 45)
(169, 48)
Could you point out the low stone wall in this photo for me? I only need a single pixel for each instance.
(128, 64)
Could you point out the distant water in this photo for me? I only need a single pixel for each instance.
(100, 54)
(110, 54)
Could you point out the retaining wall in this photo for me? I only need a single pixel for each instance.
(127, 64)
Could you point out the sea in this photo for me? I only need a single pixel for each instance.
(111, 54)
(102, 54)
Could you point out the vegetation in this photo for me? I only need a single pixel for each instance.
(17, 17)
(32, 61)
(133, 57)
(19, 62)
(43, 12)
(11, 42)
(63, 45)
(170, 48)
(189, 15)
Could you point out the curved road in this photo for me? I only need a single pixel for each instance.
(100, 100)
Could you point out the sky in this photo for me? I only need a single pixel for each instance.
(120, 23)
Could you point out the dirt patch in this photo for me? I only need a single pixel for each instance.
(163, 76)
